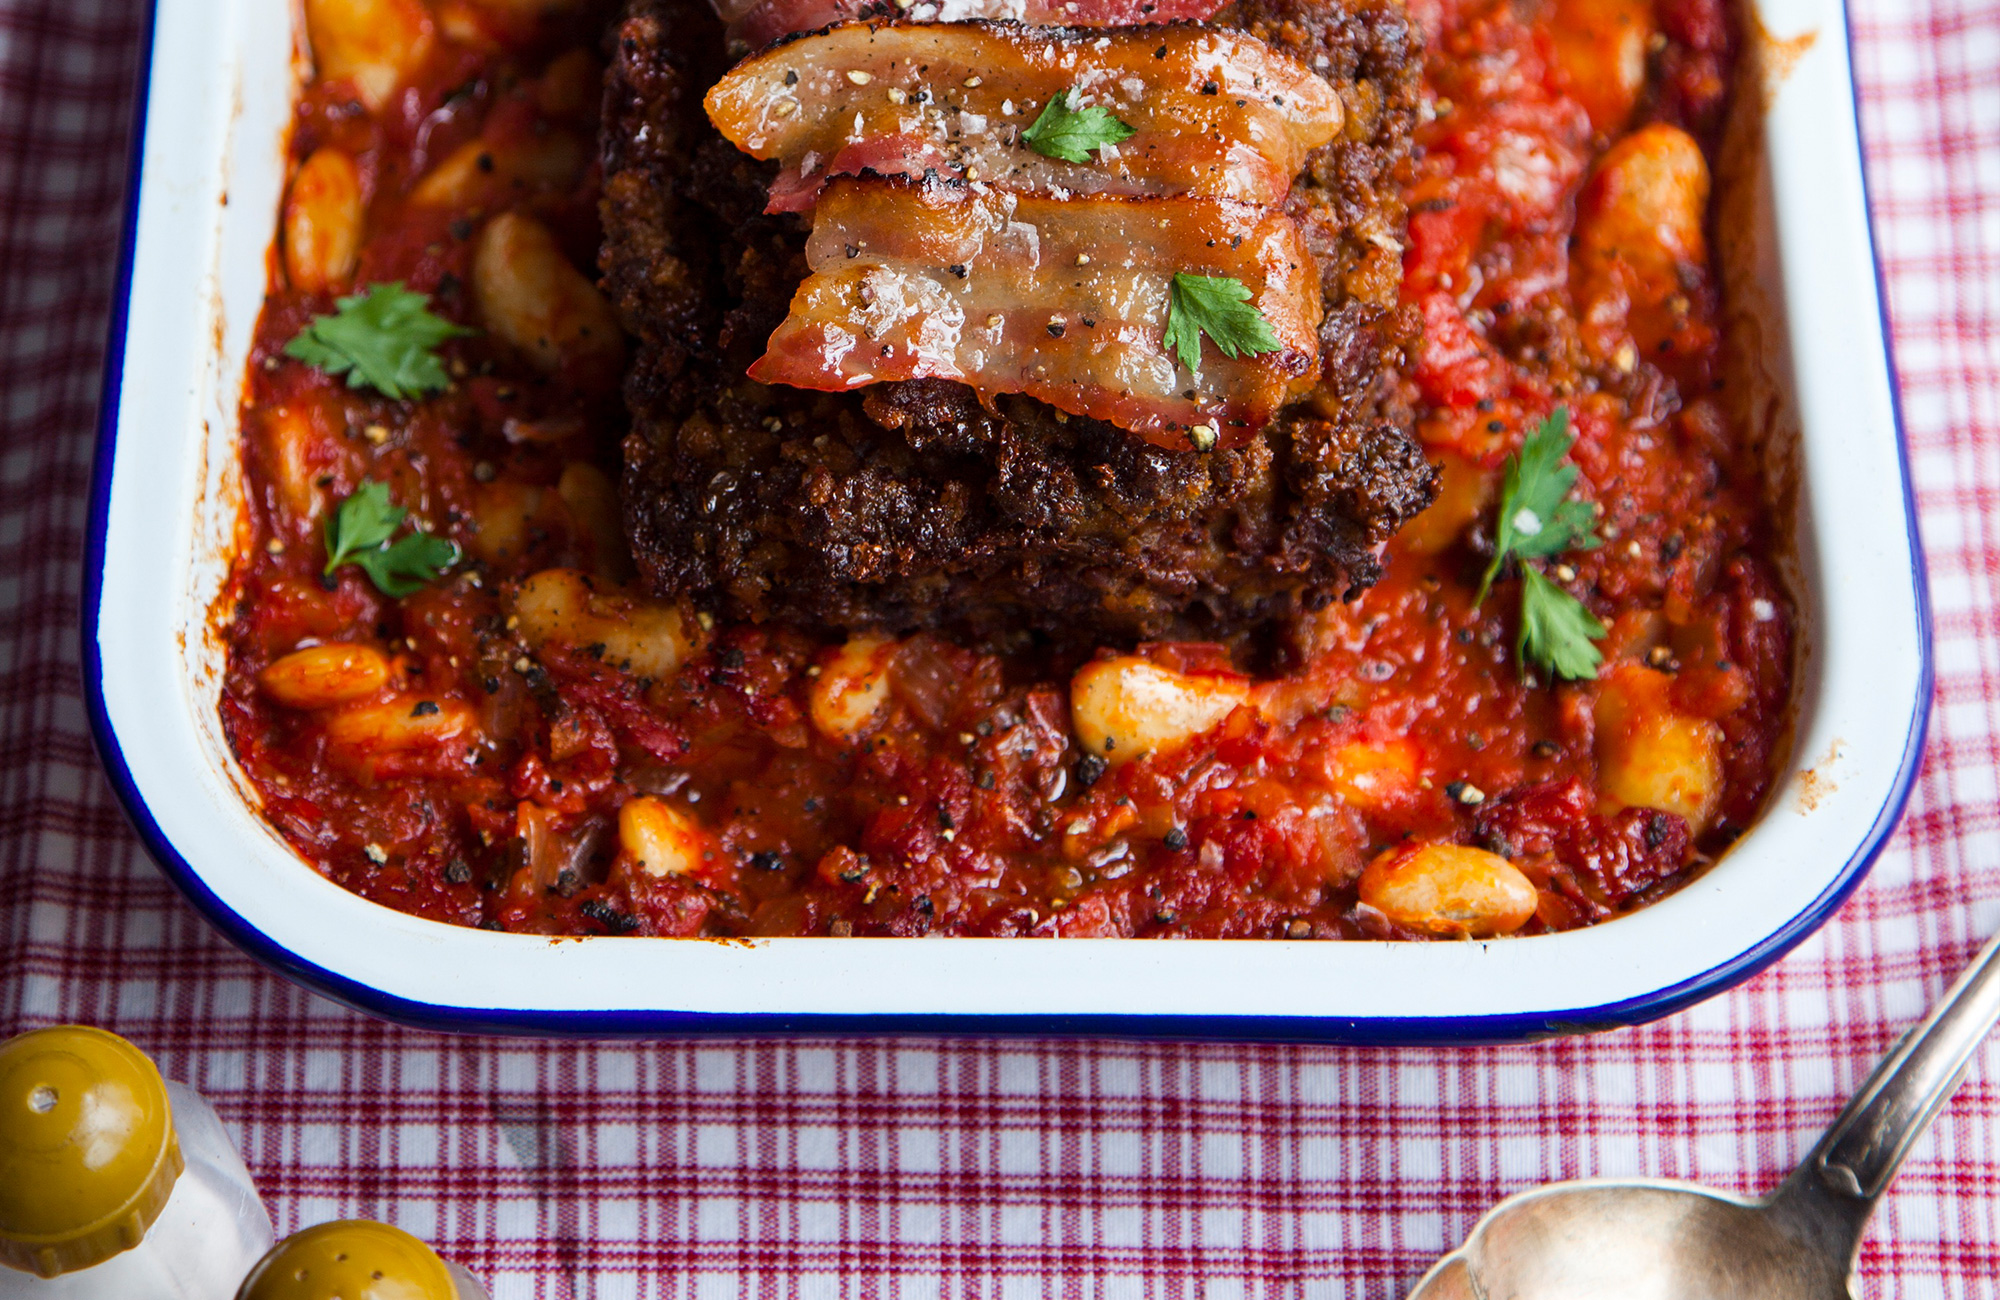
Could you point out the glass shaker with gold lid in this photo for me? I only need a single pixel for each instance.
(356, 1259)
(115, 1182)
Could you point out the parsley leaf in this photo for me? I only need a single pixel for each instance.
(358, 533)
(1218, 306)
(382, 340)
(364, 521)
(1069, 133)
(1538, 519)
(406, 565)
(1556, 630)
(1536, 516)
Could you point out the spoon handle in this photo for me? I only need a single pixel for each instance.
(1861, 1152)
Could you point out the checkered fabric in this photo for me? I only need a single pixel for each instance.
(917, 1169)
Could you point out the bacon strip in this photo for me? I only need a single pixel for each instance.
(1063, 300)
(1215, 112)
(757, 23)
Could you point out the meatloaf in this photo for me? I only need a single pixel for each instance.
(913, 504)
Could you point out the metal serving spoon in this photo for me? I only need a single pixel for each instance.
(1650, 1239)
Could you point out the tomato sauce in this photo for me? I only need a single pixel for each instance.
(772, 781)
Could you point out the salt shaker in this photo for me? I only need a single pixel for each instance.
(115, 1183)
(356, 1259)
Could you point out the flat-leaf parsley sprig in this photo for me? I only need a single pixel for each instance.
(1071, 134)
(358, 533)
(1218, 306)
(381, 339)
(1538, 519)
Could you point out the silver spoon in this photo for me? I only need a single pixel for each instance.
(1651, 1239)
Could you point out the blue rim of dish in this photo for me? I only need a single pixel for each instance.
(641, 1024)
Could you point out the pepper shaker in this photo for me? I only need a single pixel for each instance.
(355, 1259)
(115, 1184)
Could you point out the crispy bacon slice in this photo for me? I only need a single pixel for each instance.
(796, 190)
(1066, 301)
(757, 23)
(1215, 112)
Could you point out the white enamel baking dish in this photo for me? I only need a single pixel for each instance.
(207, 179)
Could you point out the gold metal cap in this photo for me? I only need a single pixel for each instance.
(352, 1259)
(87, 1150)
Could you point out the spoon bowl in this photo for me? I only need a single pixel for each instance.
(1650, 1239)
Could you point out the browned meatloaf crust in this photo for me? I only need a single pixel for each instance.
(911, 505)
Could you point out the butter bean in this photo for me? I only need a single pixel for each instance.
(1126, 708)
(322, 231)
(1649, 755)
(660, 840)
(642, 637)
(530, 295)
(398, 723)
(1449, 889)
(322, 676)
(375, 44)
(852, 687)
(1600, 47)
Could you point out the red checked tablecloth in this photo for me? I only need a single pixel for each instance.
(920, 1169)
